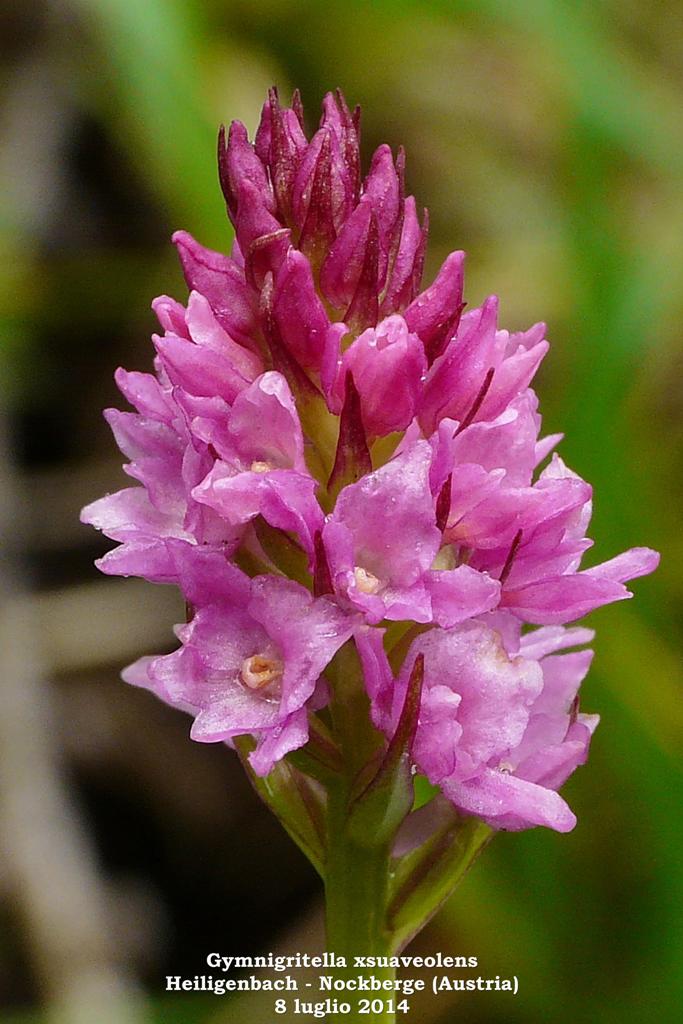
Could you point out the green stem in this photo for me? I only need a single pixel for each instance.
(357, 893)
(357, 868)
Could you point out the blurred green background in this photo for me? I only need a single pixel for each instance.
(545, 137)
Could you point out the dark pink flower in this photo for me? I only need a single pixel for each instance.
(388, 364)
(381, 543)
(267, 445)
(499, 730)
(251, 658)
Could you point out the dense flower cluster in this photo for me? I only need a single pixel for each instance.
(329, 455)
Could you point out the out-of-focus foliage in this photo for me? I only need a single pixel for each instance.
(545, 137)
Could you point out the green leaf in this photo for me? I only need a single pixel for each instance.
(425, 878)
(294, 800)
(383, 803)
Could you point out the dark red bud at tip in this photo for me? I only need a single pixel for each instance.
(419, 262)
(343, 106)
(267, 292)
(298, 107)
(443, 504)
(401, 171)
(282, 359)
(352, 460)
(322, 579)
(364, 308)
(476, 404)
(317, 233)
(224, 173)
(574, 711)
(411, 708)
(511, 557)
(442, 338)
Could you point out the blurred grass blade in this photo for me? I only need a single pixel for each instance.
(152, 54)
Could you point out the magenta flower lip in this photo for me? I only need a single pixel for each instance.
(329, 455)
